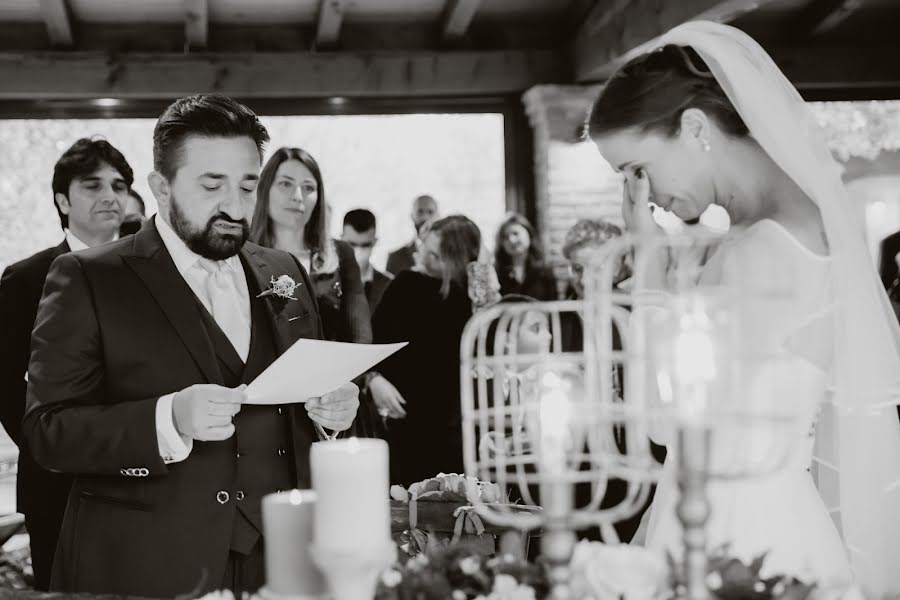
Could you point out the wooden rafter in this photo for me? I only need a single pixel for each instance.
(276, 75)
(618, 29)
(58, 23)
(328, 28)
(196, 23)
(824, 15)
(457, 17)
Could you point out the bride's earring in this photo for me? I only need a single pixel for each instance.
(706, 146)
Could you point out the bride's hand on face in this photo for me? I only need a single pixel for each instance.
(636, 211)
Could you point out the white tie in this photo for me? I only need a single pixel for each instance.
(224, 299)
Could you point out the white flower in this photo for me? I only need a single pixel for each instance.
(714, 580)
(606, 571)
(391, 578)
(218, 595)
(507, 588)
(399, 493)
(283, 287)
(459, 595)
(469, 565)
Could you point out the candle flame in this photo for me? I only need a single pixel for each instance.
(296, 497)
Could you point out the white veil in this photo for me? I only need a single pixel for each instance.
(858, 445)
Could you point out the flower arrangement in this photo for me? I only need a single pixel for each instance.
(456, 493)
(460, 572)
(599, 572)
(729, 578)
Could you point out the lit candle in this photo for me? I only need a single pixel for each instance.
(351, 481)
(689, 360)
(288, 523)
(555, 409)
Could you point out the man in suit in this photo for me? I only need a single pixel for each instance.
(140, 353)
(90, 184)
(424, 209)
(887, 267)
(360, 232)
(135, 214)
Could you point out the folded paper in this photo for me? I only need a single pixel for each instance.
(313, 368)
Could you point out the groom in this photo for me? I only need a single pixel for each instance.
(139, 355)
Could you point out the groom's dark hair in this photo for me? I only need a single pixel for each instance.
(206, 115)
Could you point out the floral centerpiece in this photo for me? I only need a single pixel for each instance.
(599, 572)
(441, 508)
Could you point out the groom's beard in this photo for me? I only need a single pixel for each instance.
(208, 242)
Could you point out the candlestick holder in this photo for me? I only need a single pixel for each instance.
(666, 357)
(353, 574)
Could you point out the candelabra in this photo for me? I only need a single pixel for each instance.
(667, 356)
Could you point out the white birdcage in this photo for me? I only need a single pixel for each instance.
(576, 410)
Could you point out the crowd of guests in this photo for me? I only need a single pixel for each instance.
(424, 297)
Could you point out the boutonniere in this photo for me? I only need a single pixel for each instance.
(283, 288)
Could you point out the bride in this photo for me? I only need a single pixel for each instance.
(709, 119)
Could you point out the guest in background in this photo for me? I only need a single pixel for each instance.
(90, 186)
(583, 243)
(519, 261)
(586, 242)
(360, 231)
(418, 387)
(135, 214)
(887, 262)
(424, 209)
(290, 215)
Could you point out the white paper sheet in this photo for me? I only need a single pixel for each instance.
(312, 368)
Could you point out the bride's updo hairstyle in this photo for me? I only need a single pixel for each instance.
(651, 92)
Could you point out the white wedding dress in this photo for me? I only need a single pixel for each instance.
(780, 513)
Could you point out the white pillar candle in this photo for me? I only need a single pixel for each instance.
(288, 523)
(351, 480)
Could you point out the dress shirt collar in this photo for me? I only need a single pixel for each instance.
(183, 257)
(368, 274)
(74, 243)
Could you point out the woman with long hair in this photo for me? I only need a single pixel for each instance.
(519, 260)
(708, 118)
(291, 214)
(418, 387)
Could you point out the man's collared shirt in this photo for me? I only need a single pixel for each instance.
(173, 447)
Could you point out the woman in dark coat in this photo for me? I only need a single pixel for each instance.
(418, 388)
(519, 261)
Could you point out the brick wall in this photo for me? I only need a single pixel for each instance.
(572, 181)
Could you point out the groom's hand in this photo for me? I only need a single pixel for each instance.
(335, 410)
(204, 412)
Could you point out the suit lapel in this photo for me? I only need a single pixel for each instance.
(153, 264)
(259, 269)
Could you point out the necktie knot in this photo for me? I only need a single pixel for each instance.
(212, 267)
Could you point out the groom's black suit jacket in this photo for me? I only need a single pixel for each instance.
(117, 328)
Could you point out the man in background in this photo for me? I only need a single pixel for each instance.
(135, 214)
(424, 209)
(360, 231)
(90, 187)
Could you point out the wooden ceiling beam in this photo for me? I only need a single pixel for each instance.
(196, 23)
(817, 70)
(824, 15)
(328, 27)
(58, 22)
(74, 75)
(619, 29)
(458, 16)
